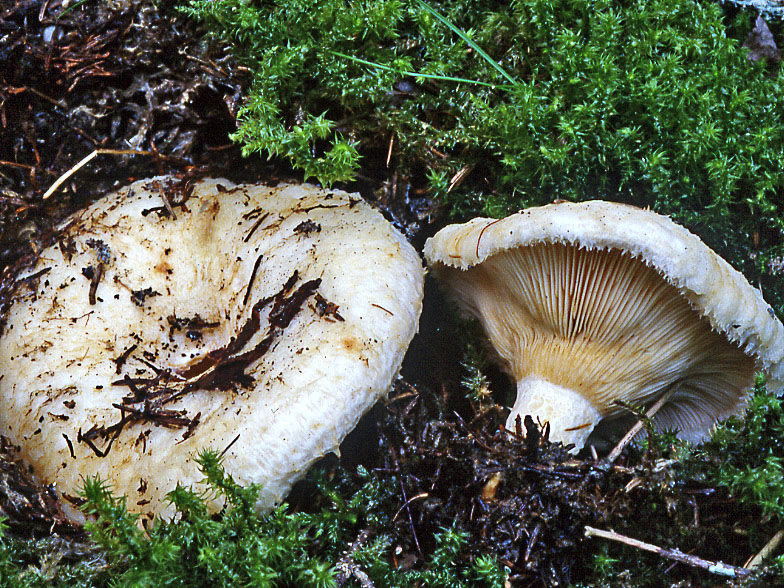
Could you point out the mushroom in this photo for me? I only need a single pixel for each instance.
(596, 304)
(171, 317)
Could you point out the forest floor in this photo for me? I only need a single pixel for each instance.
(153, 95)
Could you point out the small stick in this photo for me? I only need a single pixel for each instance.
(770, 547)
(639, 425)
(59, 103)
(252, 277)
(222, 453)
(347, 567)
(168, 206)
(410, 518)
(59, 182)
(719, 568)
(458, 178)
(97, 275)
(14, 164)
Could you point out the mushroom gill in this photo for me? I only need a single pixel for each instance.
(598, 326)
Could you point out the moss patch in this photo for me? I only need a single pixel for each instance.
(650, 103)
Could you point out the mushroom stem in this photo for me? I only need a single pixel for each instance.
(571, 416)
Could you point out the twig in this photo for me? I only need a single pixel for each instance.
(458, 178)
(222, 453)
(14, 164)
(719, 568)
(59, 182)
(639, 425)
(770, 547)
(59, 103)
(168, 206)
(389, 152)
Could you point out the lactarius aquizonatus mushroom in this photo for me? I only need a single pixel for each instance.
(592, 304)
(260, 321)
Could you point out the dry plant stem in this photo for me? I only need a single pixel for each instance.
(53, 188)
(411, 520)
(639, 425)
(719, 568)
(767, 551)
(389, 152)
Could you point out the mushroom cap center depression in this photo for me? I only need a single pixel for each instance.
(604, 324)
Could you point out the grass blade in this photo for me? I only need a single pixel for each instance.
(468, 40)
(419, 75)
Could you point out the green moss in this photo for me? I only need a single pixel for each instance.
(475, 381)
(650, 103)
(747, 456)
(240, 547)
(51, 561)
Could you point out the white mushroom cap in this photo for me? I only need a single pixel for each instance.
(263, 321)
(594, 303)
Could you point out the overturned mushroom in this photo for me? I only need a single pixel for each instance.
(175, 317)
(595, 304)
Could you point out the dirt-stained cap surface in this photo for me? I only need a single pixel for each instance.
(171, 317)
